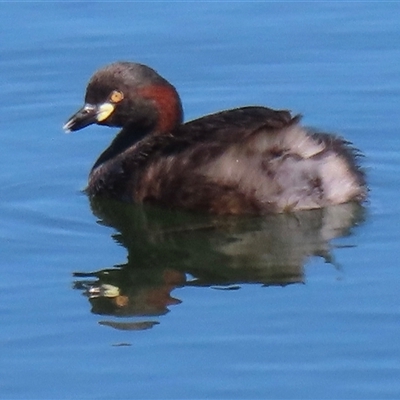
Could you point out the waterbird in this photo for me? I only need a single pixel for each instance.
(247, 160)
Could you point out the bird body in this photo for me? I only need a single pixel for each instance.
(249, 160)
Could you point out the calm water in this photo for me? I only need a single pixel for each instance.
(110, 301)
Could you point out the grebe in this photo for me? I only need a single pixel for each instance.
(248, 160)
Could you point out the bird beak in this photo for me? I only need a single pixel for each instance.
(89, 114)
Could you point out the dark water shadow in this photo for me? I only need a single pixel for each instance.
(171, 249)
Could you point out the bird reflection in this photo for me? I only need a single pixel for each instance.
(169, 249)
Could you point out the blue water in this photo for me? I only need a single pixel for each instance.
(109, 301)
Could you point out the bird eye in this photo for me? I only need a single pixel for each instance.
(116, 96)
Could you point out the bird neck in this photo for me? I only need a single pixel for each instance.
(126, 138)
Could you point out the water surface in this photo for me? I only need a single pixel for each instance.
(103, 300)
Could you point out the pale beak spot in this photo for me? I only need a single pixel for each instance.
(104, 111)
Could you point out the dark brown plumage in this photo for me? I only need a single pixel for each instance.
(245, 160)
